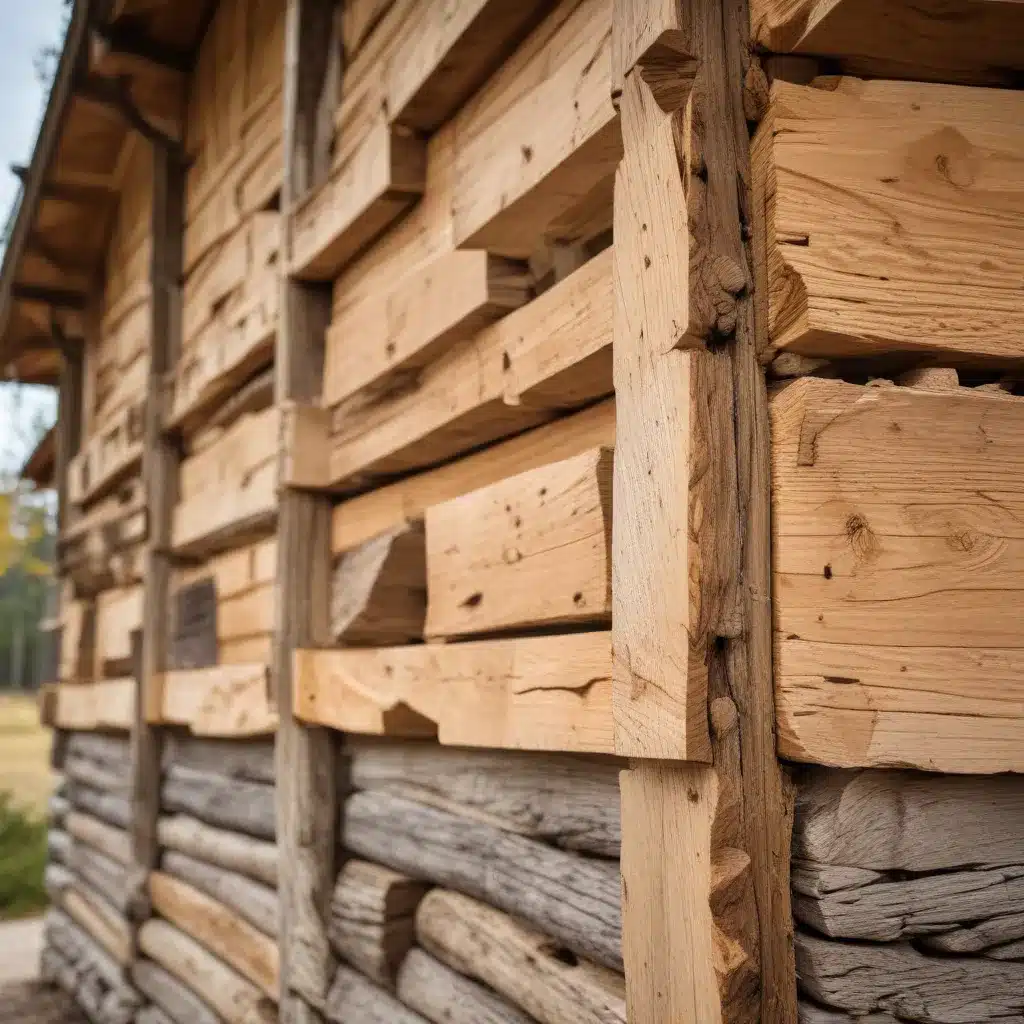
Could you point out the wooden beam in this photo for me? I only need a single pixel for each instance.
(691, 628)
(306, 791)
(59, 298)
(115, 94)
(528, 693)
(109, 704)
(126, 38)
(160, 473)
(225, 700)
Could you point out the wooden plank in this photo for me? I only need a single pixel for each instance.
(361, 518)
(869, 672)
(950, 40)
(224, 933)
(692, 671)
(225, 700)
(108, 457)
(382, 179)
(109, 704)
(836, 168)
(532, 550)
(388, 337)
(550, 355)
(535, 693)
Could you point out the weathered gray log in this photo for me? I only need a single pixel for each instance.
(811, 1014)
(372, 918)
(227, 993)
(109, 840)
(173, 998)
(254, 902)
(250, 760)
(254, 858)
(227, 803)
(996, 931)
(113, 751)
(379, 589)
(58, 846)
(885, 909)
(114, 810)
(192, 638)
(900, 821)
(58, 808)
(106, 876)
(868, 978)
(574, 899)
(1011, 951)
(572, 802)
(153, 1015)
(108, 779)
(445, 996)
(518, 962)
(354, 999)
(56, 880)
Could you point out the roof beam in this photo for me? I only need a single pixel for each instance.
(62, 262)
(126, 39)
(66, 191)
(59, 298)
(115, 94)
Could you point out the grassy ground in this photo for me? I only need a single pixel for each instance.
(25, 785)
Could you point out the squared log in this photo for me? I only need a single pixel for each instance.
(898, 580)
(113, 453)
(893, 219)
(118, 615)
(532, 550)
(226, 700)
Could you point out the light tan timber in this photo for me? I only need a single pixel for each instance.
(886, 176)
(114, 842)
(517, 961)
(96, 917)
(549, 355)
(227, 700)
(531, 693)
(883, 515)
(109, 704)
(379, 589)
(372, 913)
(949, 40)
(118, 615)
(388, 338)
(532, 550)
(901, 821)
(690, 559)
(254, 858)
(354, 999)
(568, 800)
(223, 932)
(575, 900)
(231, 996)
(305, 762)
(108, 457)
(378, 511)
(445, 996)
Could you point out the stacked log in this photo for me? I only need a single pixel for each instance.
(908, 891)
(210, 953)
(477, 886)
(87, 936)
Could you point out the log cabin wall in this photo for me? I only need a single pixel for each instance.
(889, 238)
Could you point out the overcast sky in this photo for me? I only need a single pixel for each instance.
(28, 26)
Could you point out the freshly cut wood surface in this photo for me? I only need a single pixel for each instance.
(249, 760)
(354, 999)
(224, 933)
(252, 901)
(864, 977)
(573, 899)
(175, 999)
(227, 993)
(225, 700)
(949, 40)
(552, 354)
(531, 693)
(532, 550)
(371, 923)
(445, 996)
(109, 704)
(570, 801)
(884, 522)
(379, 590)
(903, 821)
(387, 338)
(892, 223)
(254, 858)
(228, 803)
(385, 508)
(520, 963)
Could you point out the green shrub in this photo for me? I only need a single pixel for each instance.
(22, 861)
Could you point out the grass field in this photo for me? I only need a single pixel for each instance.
(24, 754)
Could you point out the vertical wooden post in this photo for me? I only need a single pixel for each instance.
(160, 476)
(69, 424)
(706, 813)
(305, 757)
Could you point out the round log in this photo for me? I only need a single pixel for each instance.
(176, 1000)
(252, 857)
(225, 803)
(354, 999)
